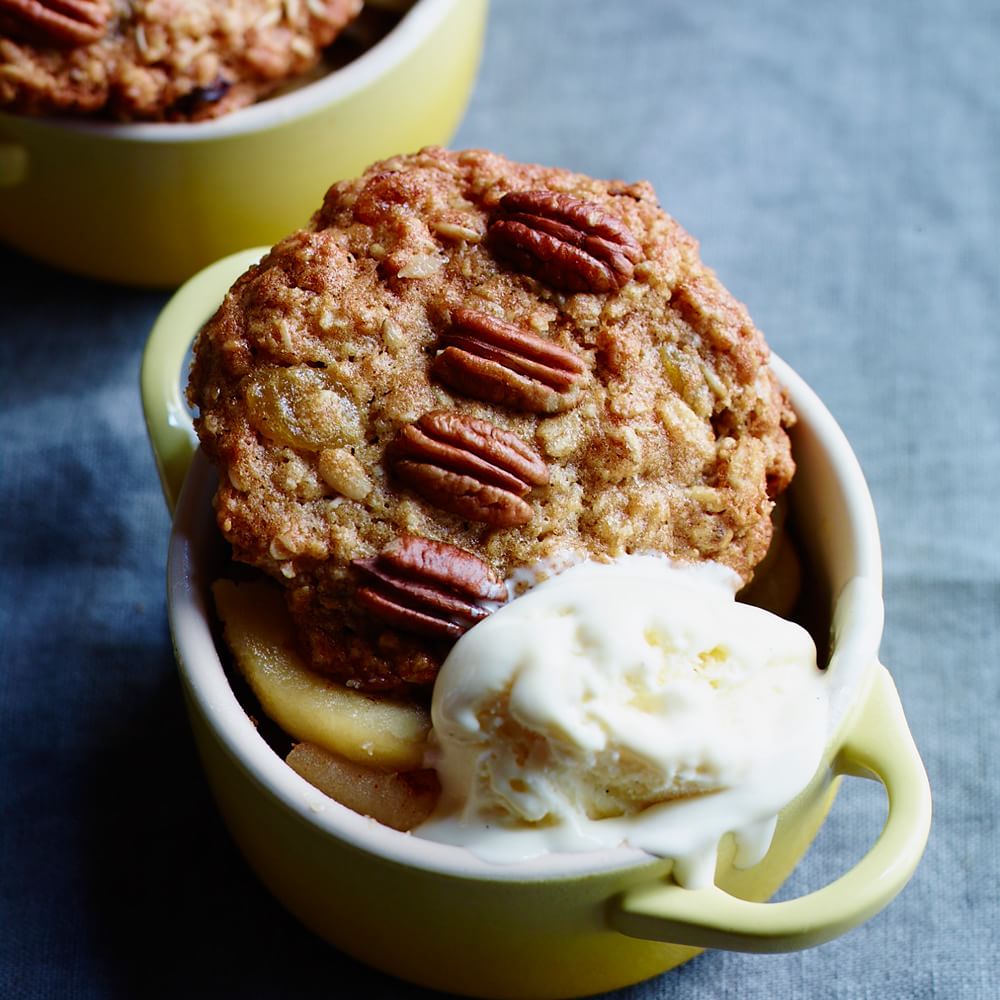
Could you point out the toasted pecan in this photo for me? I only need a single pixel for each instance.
(566, 242)
(489, 359)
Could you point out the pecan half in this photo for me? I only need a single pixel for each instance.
(569, 243)
(486, 358)
(429, 588)
(468, 467)
(58, 22)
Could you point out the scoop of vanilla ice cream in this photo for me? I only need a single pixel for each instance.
(610, 703)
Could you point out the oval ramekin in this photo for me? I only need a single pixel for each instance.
(566, 924)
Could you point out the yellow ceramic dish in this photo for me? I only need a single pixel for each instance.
(566, 924)
(151, 204)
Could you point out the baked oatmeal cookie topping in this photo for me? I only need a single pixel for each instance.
(396, 369)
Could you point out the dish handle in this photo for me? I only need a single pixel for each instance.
(169, 422)
(879, 746)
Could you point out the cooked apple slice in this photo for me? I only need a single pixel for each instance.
(777, 579)
(383, 732)
(401, 801)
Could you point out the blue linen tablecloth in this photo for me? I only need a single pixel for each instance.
(839, 163)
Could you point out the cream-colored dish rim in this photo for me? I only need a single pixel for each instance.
(204, 676)
(415, 25)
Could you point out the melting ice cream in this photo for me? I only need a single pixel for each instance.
(632, 703)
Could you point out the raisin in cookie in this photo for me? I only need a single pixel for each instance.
(468, 371)
(157, 59)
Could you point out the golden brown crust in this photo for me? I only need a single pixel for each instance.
(321, 353)
(170, 59)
